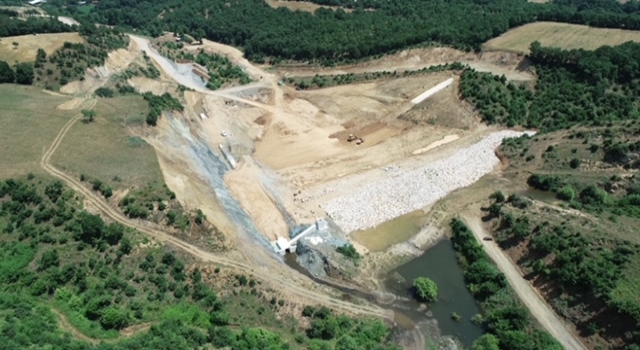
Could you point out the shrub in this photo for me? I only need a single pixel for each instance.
(350, 252)
(574, 163)
(426, 289)
(566, 193)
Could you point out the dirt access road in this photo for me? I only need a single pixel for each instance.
(300, 286)
(525, 291)
(170, 70)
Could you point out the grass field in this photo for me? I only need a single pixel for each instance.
(566, 36)
(107, 150)
(28, 45)
(28, 124)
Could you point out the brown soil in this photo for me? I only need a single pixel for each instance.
(498, 63)
(301, 6)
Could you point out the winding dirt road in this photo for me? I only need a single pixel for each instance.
(525, 291)
(168, 68)
(270, 276)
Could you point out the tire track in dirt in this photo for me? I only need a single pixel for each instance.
(147, 228)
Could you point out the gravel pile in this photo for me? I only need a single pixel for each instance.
(406, 191)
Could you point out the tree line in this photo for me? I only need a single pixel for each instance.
(333, 36)
(508, 322)
(14, 26)
(21, 73)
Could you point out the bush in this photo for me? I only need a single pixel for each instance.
(574, 163)
(350, 252)
(426, 289)
(104, 92)
(566, 193)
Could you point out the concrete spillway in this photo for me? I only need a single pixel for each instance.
(425, 95)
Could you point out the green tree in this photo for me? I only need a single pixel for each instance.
(88, 115)
(495, 210)
(114, 318)
(6, 73)
(49, 259)
(574, 163)
(498, 196)
(426, 289)
(486, 342)
(24, 73)
(566, 193)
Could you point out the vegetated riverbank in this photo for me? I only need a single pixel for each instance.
(507, 321)
(416, 327)
(439, 264)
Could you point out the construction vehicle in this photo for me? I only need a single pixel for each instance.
(351, 138)
(360, 141)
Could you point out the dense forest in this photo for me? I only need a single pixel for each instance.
(12, 25)
(331, 36)
(573, 87)
(59, 261)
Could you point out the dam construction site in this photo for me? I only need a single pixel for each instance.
(319, 175)
(375, 168)
(322, 193)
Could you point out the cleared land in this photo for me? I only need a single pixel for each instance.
(507, 63)
(29, 122)
(563, 35)
(301, 5)
(28, 45)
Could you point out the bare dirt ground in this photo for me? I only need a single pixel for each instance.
(525, 291)
(301, 6)
(498, 63)
(255, 199)
(28, 45)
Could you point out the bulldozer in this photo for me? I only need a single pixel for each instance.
(351, 138)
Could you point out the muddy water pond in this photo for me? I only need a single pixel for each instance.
(392, 232)
(440, 264)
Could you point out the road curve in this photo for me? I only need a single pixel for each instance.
(170, 70)
(525, 291)
(152, 230)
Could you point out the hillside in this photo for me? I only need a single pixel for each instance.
(561, 35)
(574, 237)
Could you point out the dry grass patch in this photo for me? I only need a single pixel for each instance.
(28, 124)
(563, 35)
(301, 5)
(28, 45)
(107, 148)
